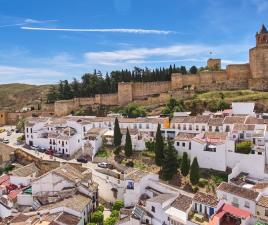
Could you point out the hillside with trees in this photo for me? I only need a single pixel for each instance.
(98, 83)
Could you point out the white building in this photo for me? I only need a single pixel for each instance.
(237, 196)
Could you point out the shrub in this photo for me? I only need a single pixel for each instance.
(118, 205)
(202, 183)
(97, 217)
(110, 221)
(115, 214)
(21, 138)
(195, 189)
(130, 164)
(243, 147)
(100, 208)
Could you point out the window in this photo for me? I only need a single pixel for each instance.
(197, 127)
(190, 146)
(147, 126)
(210, 128)
(179, 126)
(227, 129)
(31, 130)
(140, 125)
(203, 128)
(235, 202)
(217, 129)
(247, 204)
(266, 212)
(183, 144)
(184, 126)
(27, 129)
(153, 209)
(84, 129)
(190, 127)
(178, 143)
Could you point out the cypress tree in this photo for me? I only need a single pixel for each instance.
(185, 165)
(159, 147)
(170, 164)
(117, 133)
(128, 145)
(194, 172)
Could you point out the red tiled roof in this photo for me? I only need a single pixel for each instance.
(4, 178)
(235, 211)
(13, 194)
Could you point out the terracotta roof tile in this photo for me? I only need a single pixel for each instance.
(184, 137)
(206, 199)
(215, 121)
(182, 203)
(263, 201)
(239, 191)
(234, 119)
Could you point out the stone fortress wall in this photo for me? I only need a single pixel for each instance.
(252, 75)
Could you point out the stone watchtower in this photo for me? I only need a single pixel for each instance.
(258, 59)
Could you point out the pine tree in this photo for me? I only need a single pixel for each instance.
(128, 145)
(117, 133)
(159, 147)
(185, 165)
(193, 70)
(194, 172)
(170, 163)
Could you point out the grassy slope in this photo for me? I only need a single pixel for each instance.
(18, 95)
(210, 98)
(242, 95)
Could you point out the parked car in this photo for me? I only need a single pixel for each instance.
(5, 141)
(103, 165)
(41, 150)
(82, 159)
(34, 147)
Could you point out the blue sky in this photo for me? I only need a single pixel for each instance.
(45, 41)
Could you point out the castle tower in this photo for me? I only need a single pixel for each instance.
(262, 37)
(258, 59)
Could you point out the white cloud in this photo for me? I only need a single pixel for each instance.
(172, 53)
(27, 21)
(33, 75)
(116, 30)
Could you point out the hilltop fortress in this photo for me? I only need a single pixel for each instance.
(252, 75)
